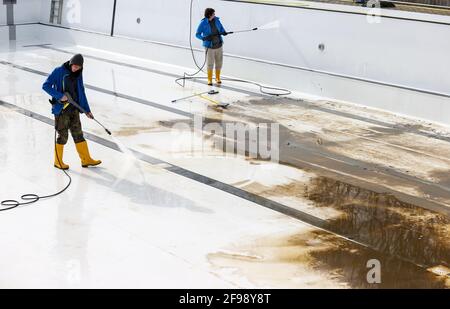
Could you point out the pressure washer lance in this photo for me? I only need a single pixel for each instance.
(32, 198)
(71, 101)
(240, 31)
(210, 92)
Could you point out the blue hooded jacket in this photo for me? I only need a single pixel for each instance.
(204, 30)
(54, 86)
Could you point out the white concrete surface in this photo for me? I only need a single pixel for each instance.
(132, 224)
(126, 223)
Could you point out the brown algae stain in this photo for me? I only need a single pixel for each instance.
(379, 220)
(129, 131)
(319, 259)
(412, 243)
(384, 222)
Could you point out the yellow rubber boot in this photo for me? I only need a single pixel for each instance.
(85, 157)
(59, 152)
(218, 80)
(210, 76)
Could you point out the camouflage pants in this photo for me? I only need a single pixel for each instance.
(69, 120)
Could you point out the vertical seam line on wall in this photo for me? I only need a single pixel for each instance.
(113, 18)
(10, 21)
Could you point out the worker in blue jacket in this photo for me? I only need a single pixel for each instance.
(68, 78)
(210, 31)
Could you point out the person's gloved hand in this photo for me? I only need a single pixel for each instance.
(207, 38)
(64, 101)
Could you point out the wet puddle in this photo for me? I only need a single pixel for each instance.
(384, 222)
(320, 260)
(411, 243)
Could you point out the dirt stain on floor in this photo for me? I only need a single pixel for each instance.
(135, 130)
(407, 239)
(384, 222)
(411, 243)
(320, 259)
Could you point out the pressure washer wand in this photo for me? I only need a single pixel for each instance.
(107, 131)
(71, 101)
(240, 31)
